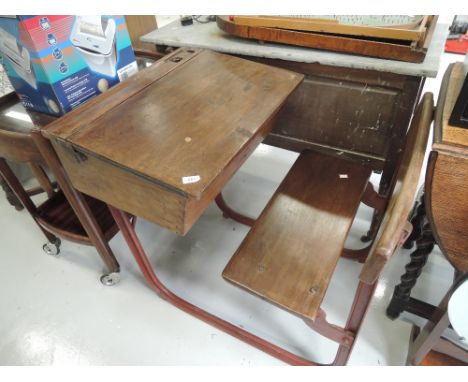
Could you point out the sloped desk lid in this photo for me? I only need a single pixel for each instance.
(180, 121)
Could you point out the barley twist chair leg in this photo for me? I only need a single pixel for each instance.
(402, 292)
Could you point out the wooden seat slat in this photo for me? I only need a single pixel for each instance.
(290, 254)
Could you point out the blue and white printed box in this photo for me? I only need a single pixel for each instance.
(56, 63)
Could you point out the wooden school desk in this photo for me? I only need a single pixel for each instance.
(163, 144)
(348, 105)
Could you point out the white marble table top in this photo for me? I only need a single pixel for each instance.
(209, 36)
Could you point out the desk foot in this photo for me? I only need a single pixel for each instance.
(346, 336)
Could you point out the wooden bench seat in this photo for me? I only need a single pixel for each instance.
(291, 252)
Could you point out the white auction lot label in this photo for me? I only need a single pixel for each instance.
(190, 179)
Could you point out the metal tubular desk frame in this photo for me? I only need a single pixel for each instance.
(360, 305)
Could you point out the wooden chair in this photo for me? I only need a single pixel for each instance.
(440, 218)
(289, 256)
(430, 338)
(9, 103)
(10, 107)
(13, 200)
(66, 213)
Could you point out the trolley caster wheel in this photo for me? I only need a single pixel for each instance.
(110, 279)
(52, 249)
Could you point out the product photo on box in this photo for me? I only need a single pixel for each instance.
(56, 63)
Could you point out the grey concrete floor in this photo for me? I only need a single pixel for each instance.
(54, 311)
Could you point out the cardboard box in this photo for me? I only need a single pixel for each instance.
(56, 63)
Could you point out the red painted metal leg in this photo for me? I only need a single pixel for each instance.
(330, 331)
(359, 309)
(136, 248)
(345, 336)
(228, 212)
(359, 255)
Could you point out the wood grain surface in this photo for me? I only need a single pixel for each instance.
(333, 26)
(139, 25)
(359, 114)
(190, 123)
(448, 201)
(373, 48)
(434, 358)
(164, 143)
(446, 187)
(289, 255)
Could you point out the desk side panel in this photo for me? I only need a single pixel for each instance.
(123, 189)
(361, 113)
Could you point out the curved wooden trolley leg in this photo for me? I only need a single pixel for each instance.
(78, 203)
(228, 212)
(370, 235)
(17, 189)
(344, 336)
(10, 195)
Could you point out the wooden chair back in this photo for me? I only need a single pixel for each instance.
(395, 226)
(20, 147)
